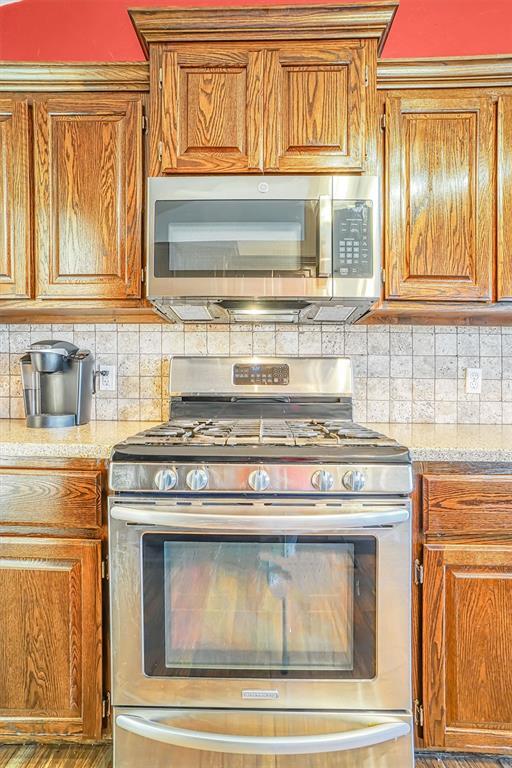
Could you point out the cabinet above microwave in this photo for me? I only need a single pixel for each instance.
(240, 241)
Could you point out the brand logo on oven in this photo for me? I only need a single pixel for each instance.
(259, 694)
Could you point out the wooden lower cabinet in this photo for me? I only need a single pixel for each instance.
(50, 638)
(467, 630)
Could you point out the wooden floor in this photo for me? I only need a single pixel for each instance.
(32, 756)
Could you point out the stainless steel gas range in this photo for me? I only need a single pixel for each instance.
(260, 576)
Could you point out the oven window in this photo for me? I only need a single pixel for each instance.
(259, 606)
(236, 238)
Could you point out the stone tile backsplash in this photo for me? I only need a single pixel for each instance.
(402, 373)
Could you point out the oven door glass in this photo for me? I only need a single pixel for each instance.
(259, 606)
(237, 238)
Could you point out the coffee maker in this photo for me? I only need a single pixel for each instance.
(58, 384)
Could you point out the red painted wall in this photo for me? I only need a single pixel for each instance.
(100, 30)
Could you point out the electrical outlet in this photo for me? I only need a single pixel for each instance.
(107, 377)
(473, 381)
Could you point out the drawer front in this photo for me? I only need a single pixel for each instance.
(467, 503)
(50, 498)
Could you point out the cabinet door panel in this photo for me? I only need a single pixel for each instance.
(88, 162)
(15, 240)
(439, 156)
(315, 108)
(505, 198)
(50, 637)
(211, 110)
(467, 674)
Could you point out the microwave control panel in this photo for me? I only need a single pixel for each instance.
(352, 238)
(261, 374)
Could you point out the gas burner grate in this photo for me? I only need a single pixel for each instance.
(270, 432)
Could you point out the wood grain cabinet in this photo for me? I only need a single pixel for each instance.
(439, 233)
(50, 638)
(15, 235)
(88, 196)
(504, 213)
(467, 675)
(286, 108)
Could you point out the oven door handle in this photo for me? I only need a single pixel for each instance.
(204, 521)
(263, 745)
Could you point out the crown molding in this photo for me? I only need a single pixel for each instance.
(48, 77)
(452, 72)
(272, 22)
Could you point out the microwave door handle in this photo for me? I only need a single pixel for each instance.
(325, 236)
(368, 736)
(225, 520)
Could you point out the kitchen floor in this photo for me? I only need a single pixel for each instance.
(33, 756)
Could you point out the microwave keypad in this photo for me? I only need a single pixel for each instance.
(261, 374)
(352, 235)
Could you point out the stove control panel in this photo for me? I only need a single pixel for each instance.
(259, 478)
(261, 373)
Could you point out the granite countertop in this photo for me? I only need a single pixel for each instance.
(427, 442)
(90, 441)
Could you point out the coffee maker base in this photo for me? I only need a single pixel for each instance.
(51, 420)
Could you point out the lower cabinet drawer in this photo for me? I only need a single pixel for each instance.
(260, 739)
(467, 503)
(50, 498)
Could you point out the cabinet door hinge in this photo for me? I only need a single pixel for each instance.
(383, 122)
(418, 572)
(104, 569)
(383, 275)
(105, 705)
(144, 123)
(366, 76)
(161, 78)
(142, 276)
(160, 150)
(418, 713)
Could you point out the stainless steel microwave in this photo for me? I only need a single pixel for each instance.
(282, 247)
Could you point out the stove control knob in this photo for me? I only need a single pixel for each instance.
(197, 479)
(166, 479)
(354, 480)
(259, 480)
(322, 480)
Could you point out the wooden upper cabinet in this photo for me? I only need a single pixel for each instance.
(314, 115)
(210, 110)
(504, 197)
(467, 625)
(440, 198)
(50, 643)
(15, 236)
(88, 196)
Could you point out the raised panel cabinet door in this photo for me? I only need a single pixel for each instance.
(440, 200)
(15, 237)
(88, 196)
(208, 110)
(50, 638)
(504, 168)
(467, 626)
(315, 101)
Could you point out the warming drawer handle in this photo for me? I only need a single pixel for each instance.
(263, 745)
(204, 521)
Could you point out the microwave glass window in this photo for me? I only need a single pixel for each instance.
(259, 606)
(236, 238)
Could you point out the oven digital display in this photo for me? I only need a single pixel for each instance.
(257, 373)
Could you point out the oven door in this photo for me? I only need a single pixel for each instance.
(260, 739)
(258, 604)
(240, 237)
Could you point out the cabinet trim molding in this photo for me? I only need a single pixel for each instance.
(53, 76)
(451, 72)
(281, 22)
